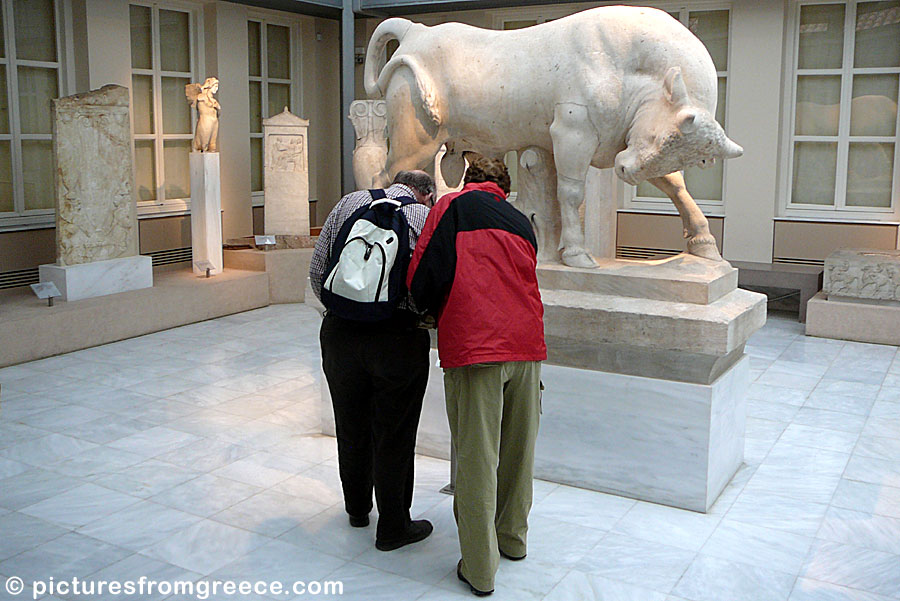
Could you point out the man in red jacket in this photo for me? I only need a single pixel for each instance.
(474, 266)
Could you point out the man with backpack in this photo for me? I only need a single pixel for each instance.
(374, 355)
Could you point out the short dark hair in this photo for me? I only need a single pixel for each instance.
(419, 181)
(483, 169)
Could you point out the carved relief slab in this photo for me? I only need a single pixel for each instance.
(286, 183)
(867, 274)
(96, 217)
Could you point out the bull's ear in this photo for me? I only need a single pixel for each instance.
(675, 88)
(687, 120)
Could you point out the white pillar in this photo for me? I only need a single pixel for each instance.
(206, 212)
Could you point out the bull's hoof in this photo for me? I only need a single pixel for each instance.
(578, 257)
(704, 246)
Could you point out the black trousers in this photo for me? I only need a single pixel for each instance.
(377, 375)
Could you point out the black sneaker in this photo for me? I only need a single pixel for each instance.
(510, 557)
(416, 531)
(474, 590)
(359, 521)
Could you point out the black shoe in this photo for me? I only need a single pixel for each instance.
(416, 531)
(474, 590)
(359, 521)
(510, 557)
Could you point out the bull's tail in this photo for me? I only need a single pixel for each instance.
(377, 74)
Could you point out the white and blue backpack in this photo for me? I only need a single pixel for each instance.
(365, 278)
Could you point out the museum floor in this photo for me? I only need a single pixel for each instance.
(191, 453)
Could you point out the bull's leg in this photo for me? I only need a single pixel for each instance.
(537, 193)
(700, 241)
(574, 142)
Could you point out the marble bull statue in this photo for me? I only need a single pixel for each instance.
(623, 87)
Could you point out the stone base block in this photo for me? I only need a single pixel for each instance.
(847, 319)
(288, 270)
(206, 212)
(99, 278)
(662, 441)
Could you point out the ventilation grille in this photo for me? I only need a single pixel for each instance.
(170, 256)
(790, 261)
(22, 277)
(639, 252)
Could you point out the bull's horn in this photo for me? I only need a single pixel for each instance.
(730, 150)
(675, 87)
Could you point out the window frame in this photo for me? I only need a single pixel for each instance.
(263, 17)
(162, 206)
(839, 211)
(21, 218)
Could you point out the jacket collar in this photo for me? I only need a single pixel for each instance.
(490, 187)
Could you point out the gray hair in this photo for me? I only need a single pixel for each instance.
(419, 181)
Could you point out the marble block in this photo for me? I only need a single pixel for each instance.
(286, 174)
(287, 270)
(206, 211)
(99, 278)
(850, 319)
(96, 217)
(863, 274)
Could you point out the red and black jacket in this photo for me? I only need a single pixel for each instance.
(474, 266)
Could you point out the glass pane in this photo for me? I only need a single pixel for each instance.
(6, 187)
(142, 103)
(869, 175)
(647, 190)
(37, 174)
(814, 169)
(35, 24)
(175, 46)
(145, 169)
(877, 34)
(2, 34)
(255, 107)
(818, 105)
(720, 102)
(4, 101)
(519, 24)
(278, 51)
(279, 97)
(711, 26)
(873, 111)
(705, 184)
(256, 167)
(253, 45)
(176, 112)
(141, 37)
(36, 87)
(821, 36)
(176, 157)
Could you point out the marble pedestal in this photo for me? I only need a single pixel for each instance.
(99, 278)
(206, 212)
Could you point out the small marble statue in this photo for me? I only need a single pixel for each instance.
(208, 109)
(370, 123)
(619, 87)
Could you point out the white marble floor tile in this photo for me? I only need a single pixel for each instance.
(875, 471)
(34, 486)
(779, 412)
(46, 449)
(39, 382)
(806, 589)
(778, 512)
(554, 541)
(107, 428)
(10, 468)
(136, 566)
(139, 526)
(851, 373)
(776, 394)
(819, 438)
(854, 567)
(263, 469)
(315, 449)
(586, 508)
(209, 395)
(79, 506)
(206, 455)
(880, 447)
(163, 411)
(97, 462)
(839, 402)
(147, 479)
(793, 483)
(784, 379)
(111, 400)
(578, 586)
(882, 426)
(23, 532)
(163, 386)
(755, 545)
(764, 429)
(155, 441)
(635, 561)
(833, 420)
(868, 498)
(713, 579)
(667, 525)
(823, 462)
(249, 382)
(17, 372)
(364, 582)
(884, 407)
(254, 405)
(260, 435)
(14, 410)
(68, 556)
(311, 486)
(330, 532)
(868, 530)
(820, 351)
(206, 546)
(270, 513)
(206, 423)
(842, 387)
(205, 495)
(799, 368)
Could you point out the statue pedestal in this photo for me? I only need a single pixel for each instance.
(206, 212)
(99, 278)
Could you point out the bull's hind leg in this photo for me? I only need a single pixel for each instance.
(700, 241)
(574, 141)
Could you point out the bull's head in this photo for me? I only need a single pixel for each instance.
(670, 133)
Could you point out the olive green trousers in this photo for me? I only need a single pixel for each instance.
(494, 410)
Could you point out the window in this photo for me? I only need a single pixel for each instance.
(843, 117)
(30, 76)
(272, 73)
(161, 116)
(705, 185)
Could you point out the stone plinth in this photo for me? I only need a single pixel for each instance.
(288, 270)
(206, 212)
(863, 274)
(99, 278)
(286, 147)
